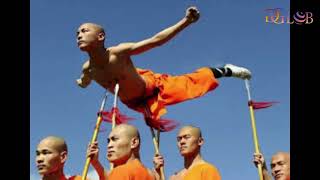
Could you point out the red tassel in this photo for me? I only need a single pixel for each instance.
(261, 105)
(120, 118)
(164, 125)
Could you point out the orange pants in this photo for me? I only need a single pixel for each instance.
(172, 89)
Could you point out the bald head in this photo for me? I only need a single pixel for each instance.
(128, 130)
(195, 131)
(189, 141)
(95, 26)
(90, 36)
(55, 143)
(280, 165)
(282, 154)
(123, 144)
(51, 154)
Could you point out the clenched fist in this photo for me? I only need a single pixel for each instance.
(192, 14)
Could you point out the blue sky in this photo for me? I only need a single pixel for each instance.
(228, 31)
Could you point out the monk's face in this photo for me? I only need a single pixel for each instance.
(189, 141)
(119, 146)
(89, 37)
(280, 166)
(48, 158)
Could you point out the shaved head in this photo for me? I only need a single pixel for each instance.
(90, 36)
(284, 154)
(280, 166)
(55, 143)
(123, 144)
(196, 132)
(189, 141)
(51, 154)
(128, 130)
(93, 25)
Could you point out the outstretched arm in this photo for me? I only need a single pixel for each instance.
(192, 15)
(93, 152)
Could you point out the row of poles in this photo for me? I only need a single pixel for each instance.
(156, 138)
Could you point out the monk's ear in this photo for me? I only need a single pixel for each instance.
(200, 141)
(101, 36)
(135, 142)
(63, 156)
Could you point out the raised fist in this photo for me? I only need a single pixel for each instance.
(192, 14)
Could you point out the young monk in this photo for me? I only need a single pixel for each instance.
(190, 141)
(124, 152)
(140, 89)
(51, 155)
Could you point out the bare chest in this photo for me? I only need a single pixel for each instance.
(110, 73)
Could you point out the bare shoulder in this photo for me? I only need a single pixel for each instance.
(121, 48)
